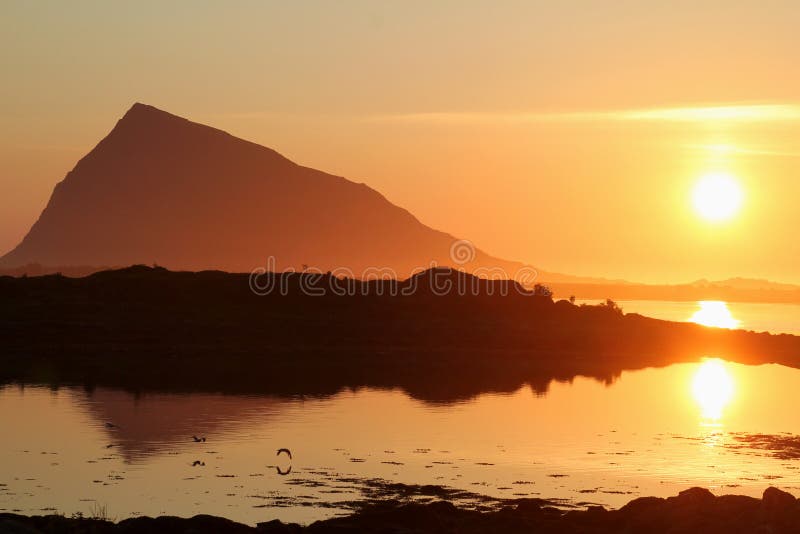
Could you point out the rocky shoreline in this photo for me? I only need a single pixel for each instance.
(695, 510)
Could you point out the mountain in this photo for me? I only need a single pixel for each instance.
(754, 284)
(161, 189)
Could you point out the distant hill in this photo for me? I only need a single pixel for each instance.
(160, 189)
(441, 335)
(756, 284)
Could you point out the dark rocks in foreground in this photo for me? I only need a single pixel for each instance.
(693, 510)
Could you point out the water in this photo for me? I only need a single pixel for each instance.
(759, 317)
(721, 425)
(649, 433)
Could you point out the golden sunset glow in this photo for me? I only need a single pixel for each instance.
(717, 197)
(712, 388)
(311, 265)
(554, 103)
(714, 313)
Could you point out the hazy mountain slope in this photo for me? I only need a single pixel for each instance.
(161, 189)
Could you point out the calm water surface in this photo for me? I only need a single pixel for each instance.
(759, 317)
(725, 426)
(652, 432)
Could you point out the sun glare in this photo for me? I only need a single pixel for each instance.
(717, 197)
(714, 313)
(712, 388)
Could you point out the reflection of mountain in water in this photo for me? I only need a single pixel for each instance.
(155, 422)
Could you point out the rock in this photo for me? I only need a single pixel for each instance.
(641, 505)
(11, 526)
(693, 511)
(777, 501)
(695, 496)
(736, 505)
(529, 506)
(199, 524)
(278, 527)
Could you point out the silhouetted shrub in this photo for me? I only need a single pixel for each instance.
(612, 306)
(541, 290)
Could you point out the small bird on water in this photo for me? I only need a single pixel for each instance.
(198, 440)
(287, 451)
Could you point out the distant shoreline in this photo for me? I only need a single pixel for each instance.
(145, 328)
(675, 293)
(768, 293)
(771, 293)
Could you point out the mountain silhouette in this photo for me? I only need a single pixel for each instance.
(162, 189)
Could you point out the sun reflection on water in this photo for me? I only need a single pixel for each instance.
(714, 313)
(712, 388)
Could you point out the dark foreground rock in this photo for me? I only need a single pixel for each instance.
(695, 510)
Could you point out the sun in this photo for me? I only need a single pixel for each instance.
(714, 313)
(713, 388)
(717, 197)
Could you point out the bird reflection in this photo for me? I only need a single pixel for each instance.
(283, 472)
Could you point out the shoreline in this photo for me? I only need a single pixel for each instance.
(692, 510)
(143, 329)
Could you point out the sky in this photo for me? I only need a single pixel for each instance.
(568, 135)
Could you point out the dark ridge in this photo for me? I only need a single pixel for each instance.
(146, 328)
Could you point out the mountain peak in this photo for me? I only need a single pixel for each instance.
(141, 106)
(138, 108)
(162, 189)
(140, 113)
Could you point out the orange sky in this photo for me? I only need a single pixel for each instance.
(567, 134)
